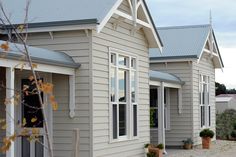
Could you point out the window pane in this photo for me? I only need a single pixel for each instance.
(204, 96)
(133, 63)
(133, 83)
(114, 120)
(153, 98)
(122, 119)
(204, 79)
(135, 126)
(122, 85)
(165, 95)
(202, 116)
(123, 60)
(25, 146)
(113, 85)
(31, 107)
(113, 59)
(39, 147)
(154, 118)
(200, 94)
(209, 114)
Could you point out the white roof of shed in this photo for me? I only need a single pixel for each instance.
(223, 99)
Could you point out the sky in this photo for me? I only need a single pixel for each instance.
(195, 12)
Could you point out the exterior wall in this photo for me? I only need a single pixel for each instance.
(205, 67)
(76, 44)
(221, 107)
(232, 104)
(2, 106)
(180, 124)
(136, 44)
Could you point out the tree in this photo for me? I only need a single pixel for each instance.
(220, 88)
(36, 87)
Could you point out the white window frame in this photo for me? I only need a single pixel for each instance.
(129, 104)
(166, 109)
(207, 105)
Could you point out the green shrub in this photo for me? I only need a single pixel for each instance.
(188, 141)
(233, 134)
(225, 124)
(234, 126)
(160, 146)
(151, 154)
(207, 133)
(146, 145)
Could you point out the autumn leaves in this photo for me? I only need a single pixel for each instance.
(27, 126)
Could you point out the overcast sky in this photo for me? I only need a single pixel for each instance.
(192, 12)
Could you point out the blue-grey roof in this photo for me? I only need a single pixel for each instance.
(42, 11)
(181, 41)
(39, 55)
(165, 77)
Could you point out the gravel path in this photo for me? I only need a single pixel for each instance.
(219, 149)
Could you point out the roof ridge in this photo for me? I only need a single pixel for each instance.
(182, 27)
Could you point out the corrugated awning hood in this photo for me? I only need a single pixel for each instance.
(39, 55)
(164, 77)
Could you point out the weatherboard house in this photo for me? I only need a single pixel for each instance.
(191, 54)
(98, 55)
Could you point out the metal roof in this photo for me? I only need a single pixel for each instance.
(39, 55)
(51, 13)
(181, 41)
(165, 77)
(223, 99)
(45, 11)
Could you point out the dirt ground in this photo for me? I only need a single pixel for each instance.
(219, 149)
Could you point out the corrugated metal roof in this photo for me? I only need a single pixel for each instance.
(40, 55)
(223, 99)
(165, 77)
(185, 41)
(41, 11)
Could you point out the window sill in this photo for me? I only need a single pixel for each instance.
(123, 140)
(156, 129)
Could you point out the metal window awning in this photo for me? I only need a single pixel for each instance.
(165, 77)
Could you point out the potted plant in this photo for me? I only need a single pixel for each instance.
(206, 135)
(188, 144)
(151, 154)
(158, 149)
(146, 149)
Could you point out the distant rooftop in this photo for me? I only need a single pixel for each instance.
(223, 99)
(227, 95)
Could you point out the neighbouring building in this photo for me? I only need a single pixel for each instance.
(96, 53)
(192, 55)
(225, 102)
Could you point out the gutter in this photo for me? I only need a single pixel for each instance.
(173, 57)
(55, 23)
